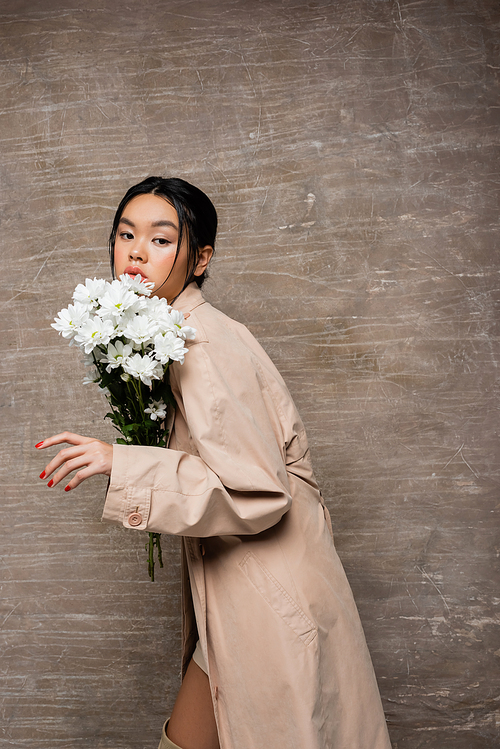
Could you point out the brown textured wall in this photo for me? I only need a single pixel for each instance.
(352, 150)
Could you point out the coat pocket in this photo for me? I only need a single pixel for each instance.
(277, 597)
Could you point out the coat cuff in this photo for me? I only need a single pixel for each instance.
(129, 508)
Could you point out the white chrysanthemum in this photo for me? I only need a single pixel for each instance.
(116, 353)
(143, 368)
(159, 311)
(181, 330)
(70, 320)
(177, 317)
(91, 376)
(187, 333)
(156, 410)
(157, 303)
(123, 321)
(93, 332)
(117, 299)
(140, 329)
(90, 292)
(169, 348)
(137, 284)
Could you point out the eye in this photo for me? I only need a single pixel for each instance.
(126, 235)
(162, 241)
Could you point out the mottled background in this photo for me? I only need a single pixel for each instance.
(352, 151)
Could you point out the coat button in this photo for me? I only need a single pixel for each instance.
(135, 518)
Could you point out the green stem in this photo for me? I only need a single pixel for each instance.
(158, 548)
(151, 560)
(154, 540)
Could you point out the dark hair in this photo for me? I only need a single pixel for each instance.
(195, 211)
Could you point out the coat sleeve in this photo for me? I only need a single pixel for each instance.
(232, 480)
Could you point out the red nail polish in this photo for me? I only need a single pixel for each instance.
(39, 444)
(50, 484)
(67, 488)
(42, 475)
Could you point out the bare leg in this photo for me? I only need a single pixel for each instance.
(192, 723)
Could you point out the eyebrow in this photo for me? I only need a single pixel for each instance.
(162, 222)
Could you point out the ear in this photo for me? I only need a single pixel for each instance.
(204, 256)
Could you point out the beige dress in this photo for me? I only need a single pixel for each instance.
(263, 587)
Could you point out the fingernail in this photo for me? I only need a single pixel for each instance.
(50, 484)
(42, 475)
(67, 488)
(39, 444)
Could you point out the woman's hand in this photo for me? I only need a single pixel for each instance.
(87, 456)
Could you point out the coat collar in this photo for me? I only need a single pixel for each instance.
(189, 299)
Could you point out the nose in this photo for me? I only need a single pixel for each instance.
(137, 252)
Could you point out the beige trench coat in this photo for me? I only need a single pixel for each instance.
(263, 587)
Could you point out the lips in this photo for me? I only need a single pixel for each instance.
(133, 270)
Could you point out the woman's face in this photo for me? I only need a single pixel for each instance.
(146, 244)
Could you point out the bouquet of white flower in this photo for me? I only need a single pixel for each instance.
(129, 339)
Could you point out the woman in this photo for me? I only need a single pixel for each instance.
(273, 651)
